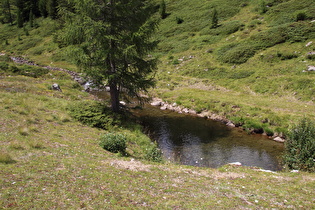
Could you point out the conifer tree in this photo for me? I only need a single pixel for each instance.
(6, 12)
(19, 18)
(42, 8)
(214, 19)
(51, 8)
(163, 9)
(111, 40)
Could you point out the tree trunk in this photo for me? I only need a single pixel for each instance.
(114, 96)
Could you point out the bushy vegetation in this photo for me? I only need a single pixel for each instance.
(94, 114)
(6, 158)
(26, 70)
(114, 142)
(153, 153)
(300, 147)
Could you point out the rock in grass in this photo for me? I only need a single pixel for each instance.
(55, 86)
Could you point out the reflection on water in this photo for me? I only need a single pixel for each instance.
(195, 141)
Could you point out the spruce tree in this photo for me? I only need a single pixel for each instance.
(42, 8)
(111, 40)
(214, 19)
(19, 18)
(51, 7)
(6, 12)
(163, 9)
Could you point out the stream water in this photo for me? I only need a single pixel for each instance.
(191, 140)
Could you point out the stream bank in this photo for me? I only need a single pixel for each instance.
(154, 102)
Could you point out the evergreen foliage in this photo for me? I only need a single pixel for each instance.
(214, 18)
(6, 16)
(163, 9)
(114, 142)
(300, 147)
(93, 114)
(111, 41)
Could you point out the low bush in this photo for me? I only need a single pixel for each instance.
(6, 158)
(154, 154)
(271, 37)
(237, 53)
(311, 56)
(94, 114)
(114, 142)
(4, 66)
(224, 29)
(26, 70)
(300, 147)
(286, 55)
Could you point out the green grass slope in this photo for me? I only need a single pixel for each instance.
(256, 60)
(48, 160)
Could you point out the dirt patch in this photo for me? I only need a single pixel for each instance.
(133, 165)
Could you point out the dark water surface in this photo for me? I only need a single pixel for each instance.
(191, 140)
(196, 141)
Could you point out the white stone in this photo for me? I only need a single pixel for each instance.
(311, 68)
(122, 103)
(308, 44)
(235, 164)
(156, 103)
(279, 139)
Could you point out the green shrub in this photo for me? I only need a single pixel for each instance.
(6, 158)
(114, 142)
(237, 53)
(5, 58)
(94, 114)
(224, 29)
(154, 154)
(4, 66)
(300, 147)
(300, 16)
(32, 71)
(286, 55)
(311, 56)
(179, 20)
(271, 37)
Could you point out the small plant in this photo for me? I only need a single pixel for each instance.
(6, 158)
(300, 16)
(24, 131)
(214, 19)
(263, 7)
(36, 144)
(300, 147)
(94, 114)
(179, 20)
(154, 154)
(310, 56)
(113, 142)
(162, 9)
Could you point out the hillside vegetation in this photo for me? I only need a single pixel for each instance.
(252, 68)
(49, 160)
(256, 59)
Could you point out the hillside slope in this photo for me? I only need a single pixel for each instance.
(257, 59)
(256, 68)
(50, 161)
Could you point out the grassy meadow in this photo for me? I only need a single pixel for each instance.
(251, 69)
(48, 160)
